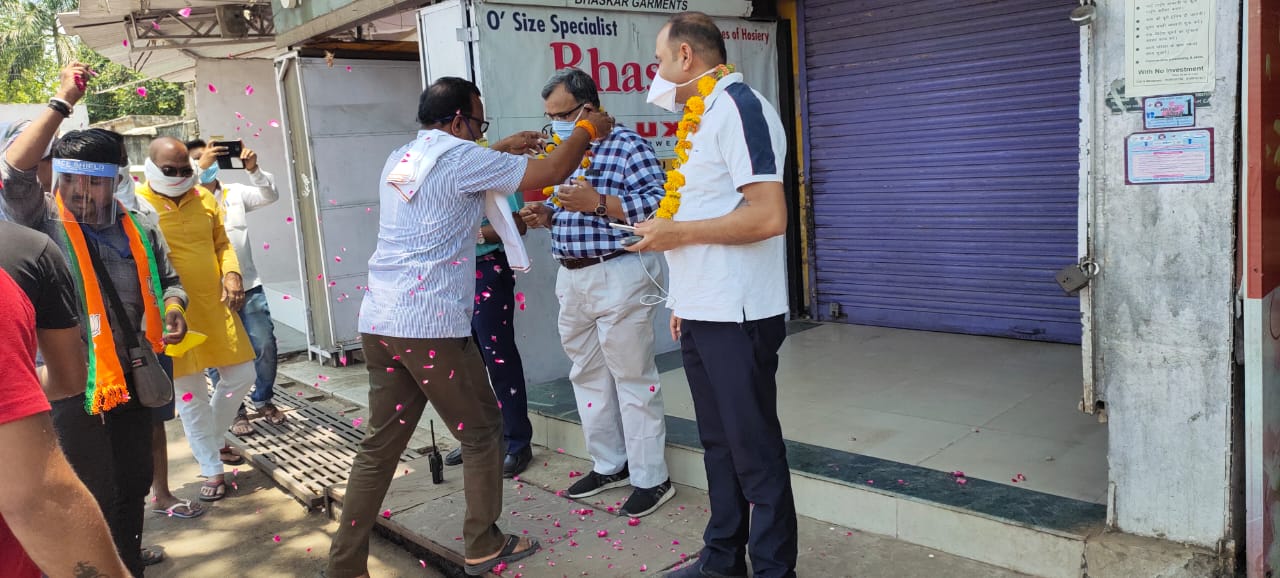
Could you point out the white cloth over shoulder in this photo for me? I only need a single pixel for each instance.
(408, 176)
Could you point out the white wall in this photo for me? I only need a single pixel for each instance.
(1163, 310)
(18, 112)
(216, 114)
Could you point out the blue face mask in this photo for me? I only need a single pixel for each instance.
(209, 175)
(564, 128)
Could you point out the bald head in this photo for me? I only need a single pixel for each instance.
(168, 151)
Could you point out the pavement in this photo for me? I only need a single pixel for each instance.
(588, 539)
(236, 537)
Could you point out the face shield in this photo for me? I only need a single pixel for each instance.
(84, 191)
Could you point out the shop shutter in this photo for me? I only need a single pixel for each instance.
(943, 163)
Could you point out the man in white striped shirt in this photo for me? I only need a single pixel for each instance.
(415, 320)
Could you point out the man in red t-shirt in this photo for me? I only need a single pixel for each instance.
(48, 520)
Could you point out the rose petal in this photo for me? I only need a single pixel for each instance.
(399, 406)
(337, 259)
(276, 538)
(213, 89)
(386, 514)
(288, 220)
(187, 397)
(125, 43)
(266, 246)
(185, 12)
(142, 91)
(274, 124)
(356, 422)
(248, 90)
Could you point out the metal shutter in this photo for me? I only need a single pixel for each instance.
(943, 151)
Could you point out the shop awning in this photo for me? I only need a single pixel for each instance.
(164, 38)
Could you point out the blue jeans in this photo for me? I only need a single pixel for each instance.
(256, 317)
(493, 328)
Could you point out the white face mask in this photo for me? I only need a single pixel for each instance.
(662, 93)
(125, 188)
(172, 187)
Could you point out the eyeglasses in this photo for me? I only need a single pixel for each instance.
(565, 115)
(484, 124)
(183, 172)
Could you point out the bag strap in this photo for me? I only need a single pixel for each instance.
(122, 315)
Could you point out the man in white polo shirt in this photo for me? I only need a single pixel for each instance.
(724, 244)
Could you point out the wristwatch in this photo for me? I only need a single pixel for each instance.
(603, 209)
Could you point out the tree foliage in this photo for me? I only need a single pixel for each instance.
(33, 48)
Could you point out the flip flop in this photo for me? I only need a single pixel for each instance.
(175, 512)
(508, 555)
(230, 458)
(241, 426)
(152, 556)
(219, 492)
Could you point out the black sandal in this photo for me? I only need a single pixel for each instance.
(507, 555)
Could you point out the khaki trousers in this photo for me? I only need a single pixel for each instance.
(403, 372)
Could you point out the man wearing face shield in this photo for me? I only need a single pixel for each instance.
(202, 253)
(415, 320)
(118, 259)
(606, 327)
(728, 295)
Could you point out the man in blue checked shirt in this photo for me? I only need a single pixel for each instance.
(605, 328)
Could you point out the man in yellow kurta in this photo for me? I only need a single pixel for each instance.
(206, 261)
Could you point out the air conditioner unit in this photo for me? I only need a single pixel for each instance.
(232, 22)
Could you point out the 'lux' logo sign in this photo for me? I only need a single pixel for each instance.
(650, 129)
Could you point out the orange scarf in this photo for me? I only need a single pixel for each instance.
(106, 387)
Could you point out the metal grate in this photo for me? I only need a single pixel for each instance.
(309, 453)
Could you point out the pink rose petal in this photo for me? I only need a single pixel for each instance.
(459, 426)
(213, 89)
(274, 124)
(399, 406)
(386, 514)
(276, 538)
(239, 116)
(338, 259)
(248, 90)
(142, 91)
(266, 246)
(187, 397)
(602, 534)
(633, 522)
(124, 43)
(186, 13)
(356, 422)
(288, 220)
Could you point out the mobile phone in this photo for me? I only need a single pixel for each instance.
(230, 159)
(621, 227)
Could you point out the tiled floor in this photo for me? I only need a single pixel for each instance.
(990, 407)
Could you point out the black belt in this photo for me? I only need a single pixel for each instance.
(585, 262)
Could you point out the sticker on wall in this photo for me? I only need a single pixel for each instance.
(1165, 112)
(1171, 156)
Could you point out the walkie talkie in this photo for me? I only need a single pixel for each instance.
(434, 460)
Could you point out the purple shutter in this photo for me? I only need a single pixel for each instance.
(943, 144)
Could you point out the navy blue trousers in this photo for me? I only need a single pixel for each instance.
(732, 370)
(493, 327)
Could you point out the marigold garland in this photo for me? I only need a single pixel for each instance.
(550, 192)
(689, 124)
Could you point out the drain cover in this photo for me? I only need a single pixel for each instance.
(308, 453)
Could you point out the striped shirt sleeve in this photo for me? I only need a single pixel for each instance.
(477, 170)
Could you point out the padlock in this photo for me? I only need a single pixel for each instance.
(1075, 277)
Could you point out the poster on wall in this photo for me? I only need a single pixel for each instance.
(1168, 47)
(521, 46)
(1171, 156)
(1162, 112)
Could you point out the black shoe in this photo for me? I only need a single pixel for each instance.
(694, 570)
(594, 483)
(516, 463)
(453, 458)
(647, 501)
